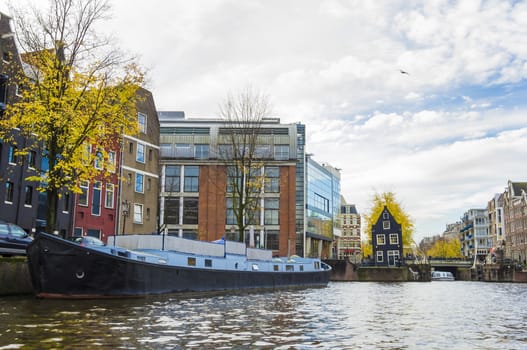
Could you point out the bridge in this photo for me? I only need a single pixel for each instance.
(450, 264)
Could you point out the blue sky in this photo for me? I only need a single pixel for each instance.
(445, 137)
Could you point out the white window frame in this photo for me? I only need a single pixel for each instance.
(85, 185)
(138, 153)
(381, 237)
(142, 125)
(138, 213)
(109, 192)
(136, 183)
(394, 238)
(380, 256)
(386, 225)
(112, 162)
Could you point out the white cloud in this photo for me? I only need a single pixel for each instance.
(444, 137)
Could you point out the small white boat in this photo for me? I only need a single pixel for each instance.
(442, 276)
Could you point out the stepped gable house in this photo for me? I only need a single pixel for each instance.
(387, 240)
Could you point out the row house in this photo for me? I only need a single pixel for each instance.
(20, 201)
(476, 241)
(348, 244)
(127, 201)
(195, 199)
(387, 240)
(515, 221)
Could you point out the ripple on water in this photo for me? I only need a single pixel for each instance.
(460, 315)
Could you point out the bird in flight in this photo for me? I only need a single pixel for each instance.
(403, 72)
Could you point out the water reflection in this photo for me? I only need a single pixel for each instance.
(437, 315)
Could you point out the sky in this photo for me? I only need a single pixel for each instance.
(444, 136)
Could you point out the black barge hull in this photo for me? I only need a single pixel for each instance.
(63, 269)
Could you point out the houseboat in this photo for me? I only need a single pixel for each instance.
(139, 265)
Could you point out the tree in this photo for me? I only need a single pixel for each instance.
(388, 199)
(243, 152)
(445, 248)
(78, 96)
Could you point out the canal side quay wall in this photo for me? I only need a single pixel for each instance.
(343, 270)
(14, 277)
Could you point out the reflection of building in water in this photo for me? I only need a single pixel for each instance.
(322, 209)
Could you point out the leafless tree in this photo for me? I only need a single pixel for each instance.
(244, 152)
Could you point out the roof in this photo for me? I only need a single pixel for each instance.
(517, 188)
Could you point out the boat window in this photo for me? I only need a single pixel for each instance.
(255, 267)
(141, 258)
(301, 267)
(317, 265)
(275, 267)
(289, 268)
(191, 261)
(208, 262)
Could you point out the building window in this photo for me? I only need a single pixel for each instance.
(148, 184)
(281, 152)
(99, 160)
(83, 196)
(172, 178)
(381, 240)
(9, 188)
(386, 225)
(138, 213)
(190, 211)
(201, 151)
(147, 214)
(271, 211)
(171, 211)
(272, 179)
(183, 150)
(385, 215)
(230, 218)
(28, 195)
(11, 156)
(141, 120)
(96, 199)
(131, 147)
(166, 149)
(66, 201)
(394, 238)
(380, 256)
(150, 154)
(111, 162)
(191, 181)
(139, 183)
(31, 159)
(108, 201)
(140, 155)
(262, 151)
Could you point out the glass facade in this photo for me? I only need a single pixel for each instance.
(322, 207)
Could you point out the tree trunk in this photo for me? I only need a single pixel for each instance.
(52, 198)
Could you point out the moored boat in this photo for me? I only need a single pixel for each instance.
(137, 265)
(442, 276)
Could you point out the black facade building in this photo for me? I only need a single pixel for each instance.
(20, 201)
(387, 240)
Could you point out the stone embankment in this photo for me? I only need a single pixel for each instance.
(14, 277)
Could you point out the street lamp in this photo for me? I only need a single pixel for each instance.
(126, 212)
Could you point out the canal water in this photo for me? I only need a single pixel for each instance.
(346, 315)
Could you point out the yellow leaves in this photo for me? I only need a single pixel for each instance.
(68, 108)
(445, 248)
(379, 200)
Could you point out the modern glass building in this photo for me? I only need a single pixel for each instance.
(322, 208)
